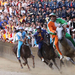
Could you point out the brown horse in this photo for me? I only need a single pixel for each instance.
(25, 53)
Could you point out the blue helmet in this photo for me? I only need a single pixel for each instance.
(38, 27)
(20, 28)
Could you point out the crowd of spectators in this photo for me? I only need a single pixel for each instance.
(31, 13)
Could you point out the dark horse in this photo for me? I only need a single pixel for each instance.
(25, 53)
(48, 51)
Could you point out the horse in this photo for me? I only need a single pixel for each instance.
(65, 45)
(25, 53)
(48, 52)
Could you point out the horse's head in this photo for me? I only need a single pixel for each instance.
(47, 38)
(60, 33)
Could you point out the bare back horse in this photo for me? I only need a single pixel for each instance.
(65, 45)
(48, 51)
(25, 53)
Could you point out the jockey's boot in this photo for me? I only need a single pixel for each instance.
(61, 57)
(18, 58)
(42, 59)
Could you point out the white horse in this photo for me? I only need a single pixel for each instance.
(65, 45)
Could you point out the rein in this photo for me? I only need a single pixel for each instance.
(26, 44)
(46, 43)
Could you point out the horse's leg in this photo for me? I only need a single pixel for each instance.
(69, 59)
(72, 61)
(33, 60)
(61, 63)
(24, 61)
(48, 63)
(27, 64)
(20, 63)
(55, 63)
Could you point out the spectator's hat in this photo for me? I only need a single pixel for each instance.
(33, 6)
(74, 13)
(54, 1)
(54, 8)
(52, 14)
(37, 14)
(47, 6)
(20, 28)
(67, 15)
(67, 8)
(30, 30)
(39, 1)
(28, 22)
(47, 13)
(40, 7)
(60, 6)
(28, 5)
(63, 16)
(64, 5)
(73, 7)
(44, 11)
(70, 7)
(26, 29)
(29, 16)
(57, 7)
(73, 16)
(38, 27)
(33, 14)
(50, 8)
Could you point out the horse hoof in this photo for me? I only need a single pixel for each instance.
(60, 72)
(51, 64)
(21, 67)
(33, 66)
(29, 69)
(24, 64)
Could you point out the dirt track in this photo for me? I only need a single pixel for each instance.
(8, 67)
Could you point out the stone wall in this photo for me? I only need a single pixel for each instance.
(6, 51)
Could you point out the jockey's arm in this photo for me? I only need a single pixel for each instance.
(24, 41)
(20, 40)
(19, 36)
(63, 22)
(51, 29)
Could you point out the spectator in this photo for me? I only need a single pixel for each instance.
(60, 12)
(29, 14)
(72, 27)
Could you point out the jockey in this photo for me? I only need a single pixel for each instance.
(39, 37)
(52, 25)
(21, 35)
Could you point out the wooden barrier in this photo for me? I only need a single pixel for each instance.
(6, 51)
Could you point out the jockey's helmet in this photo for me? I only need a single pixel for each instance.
(52, 14)
(20, 28)
(38, 27)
